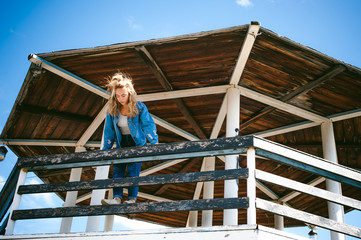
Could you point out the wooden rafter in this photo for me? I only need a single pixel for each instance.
(157, 71)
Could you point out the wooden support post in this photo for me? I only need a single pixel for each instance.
(71, 196)
(335, 211)
(109, 219)
(93, 222)
(208, 192)
(192, 219)
(251, 186)
(279, 222)
(230, 216)
(16, 202)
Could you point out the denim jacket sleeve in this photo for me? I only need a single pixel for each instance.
(147, 124)
(109, 133)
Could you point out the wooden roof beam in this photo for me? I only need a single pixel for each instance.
(244, 53)
(281, 105)
(299, 91)
(308, 124)
(68, 75)
(192, 92)
(157, 71)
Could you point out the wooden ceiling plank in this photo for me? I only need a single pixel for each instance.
(245, 51)
(334, 71)
(53, 113)
(162, 79)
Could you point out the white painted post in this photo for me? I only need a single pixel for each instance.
(208, 192)
(192, 219)
(109, 219)
(93, 223)
(230, 216)
(251, 186)
(71, 196)
(16, 202)
(279, 222)
(335, 211)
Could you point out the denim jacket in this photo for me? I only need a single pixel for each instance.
(142, 127)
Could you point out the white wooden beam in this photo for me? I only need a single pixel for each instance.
(68, 75)
(294, 194)
(174, 94)
(174, 128)
(93, 127)
(244, 53)
(161, 166)
(306, 158)
(140, 194)
(220, 118)
(307, 189)
(281, 105)
(307, 218)
(286, 129)
(346, 115)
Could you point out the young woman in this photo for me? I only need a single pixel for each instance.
(128, 123)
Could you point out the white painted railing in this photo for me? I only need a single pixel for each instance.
(253, 146)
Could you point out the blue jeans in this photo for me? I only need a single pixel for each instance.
(132, 170)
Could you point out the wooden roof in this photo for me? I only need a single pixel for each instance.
(287, 90)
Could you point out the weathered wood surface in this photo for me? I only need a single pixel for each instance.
(150, 207)
(136, 181)
(201, 148)
(308, 218)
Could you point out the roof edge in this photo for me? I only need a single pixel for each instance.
(120, 46)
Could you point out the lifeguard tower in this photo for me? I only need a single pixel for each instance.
(259, 133)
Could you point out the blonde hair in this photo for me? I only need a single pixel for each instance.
(120, 80)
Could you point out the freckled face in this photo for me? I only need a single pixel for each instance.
(122, 95)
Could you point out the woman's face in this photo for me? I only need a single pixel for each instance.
(122, 95)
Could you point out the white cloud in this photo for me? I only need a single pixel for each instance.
(39, 200)
(244, 3)
(132, 24)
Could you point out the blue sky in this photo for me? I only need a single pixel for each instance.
(35, 26)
